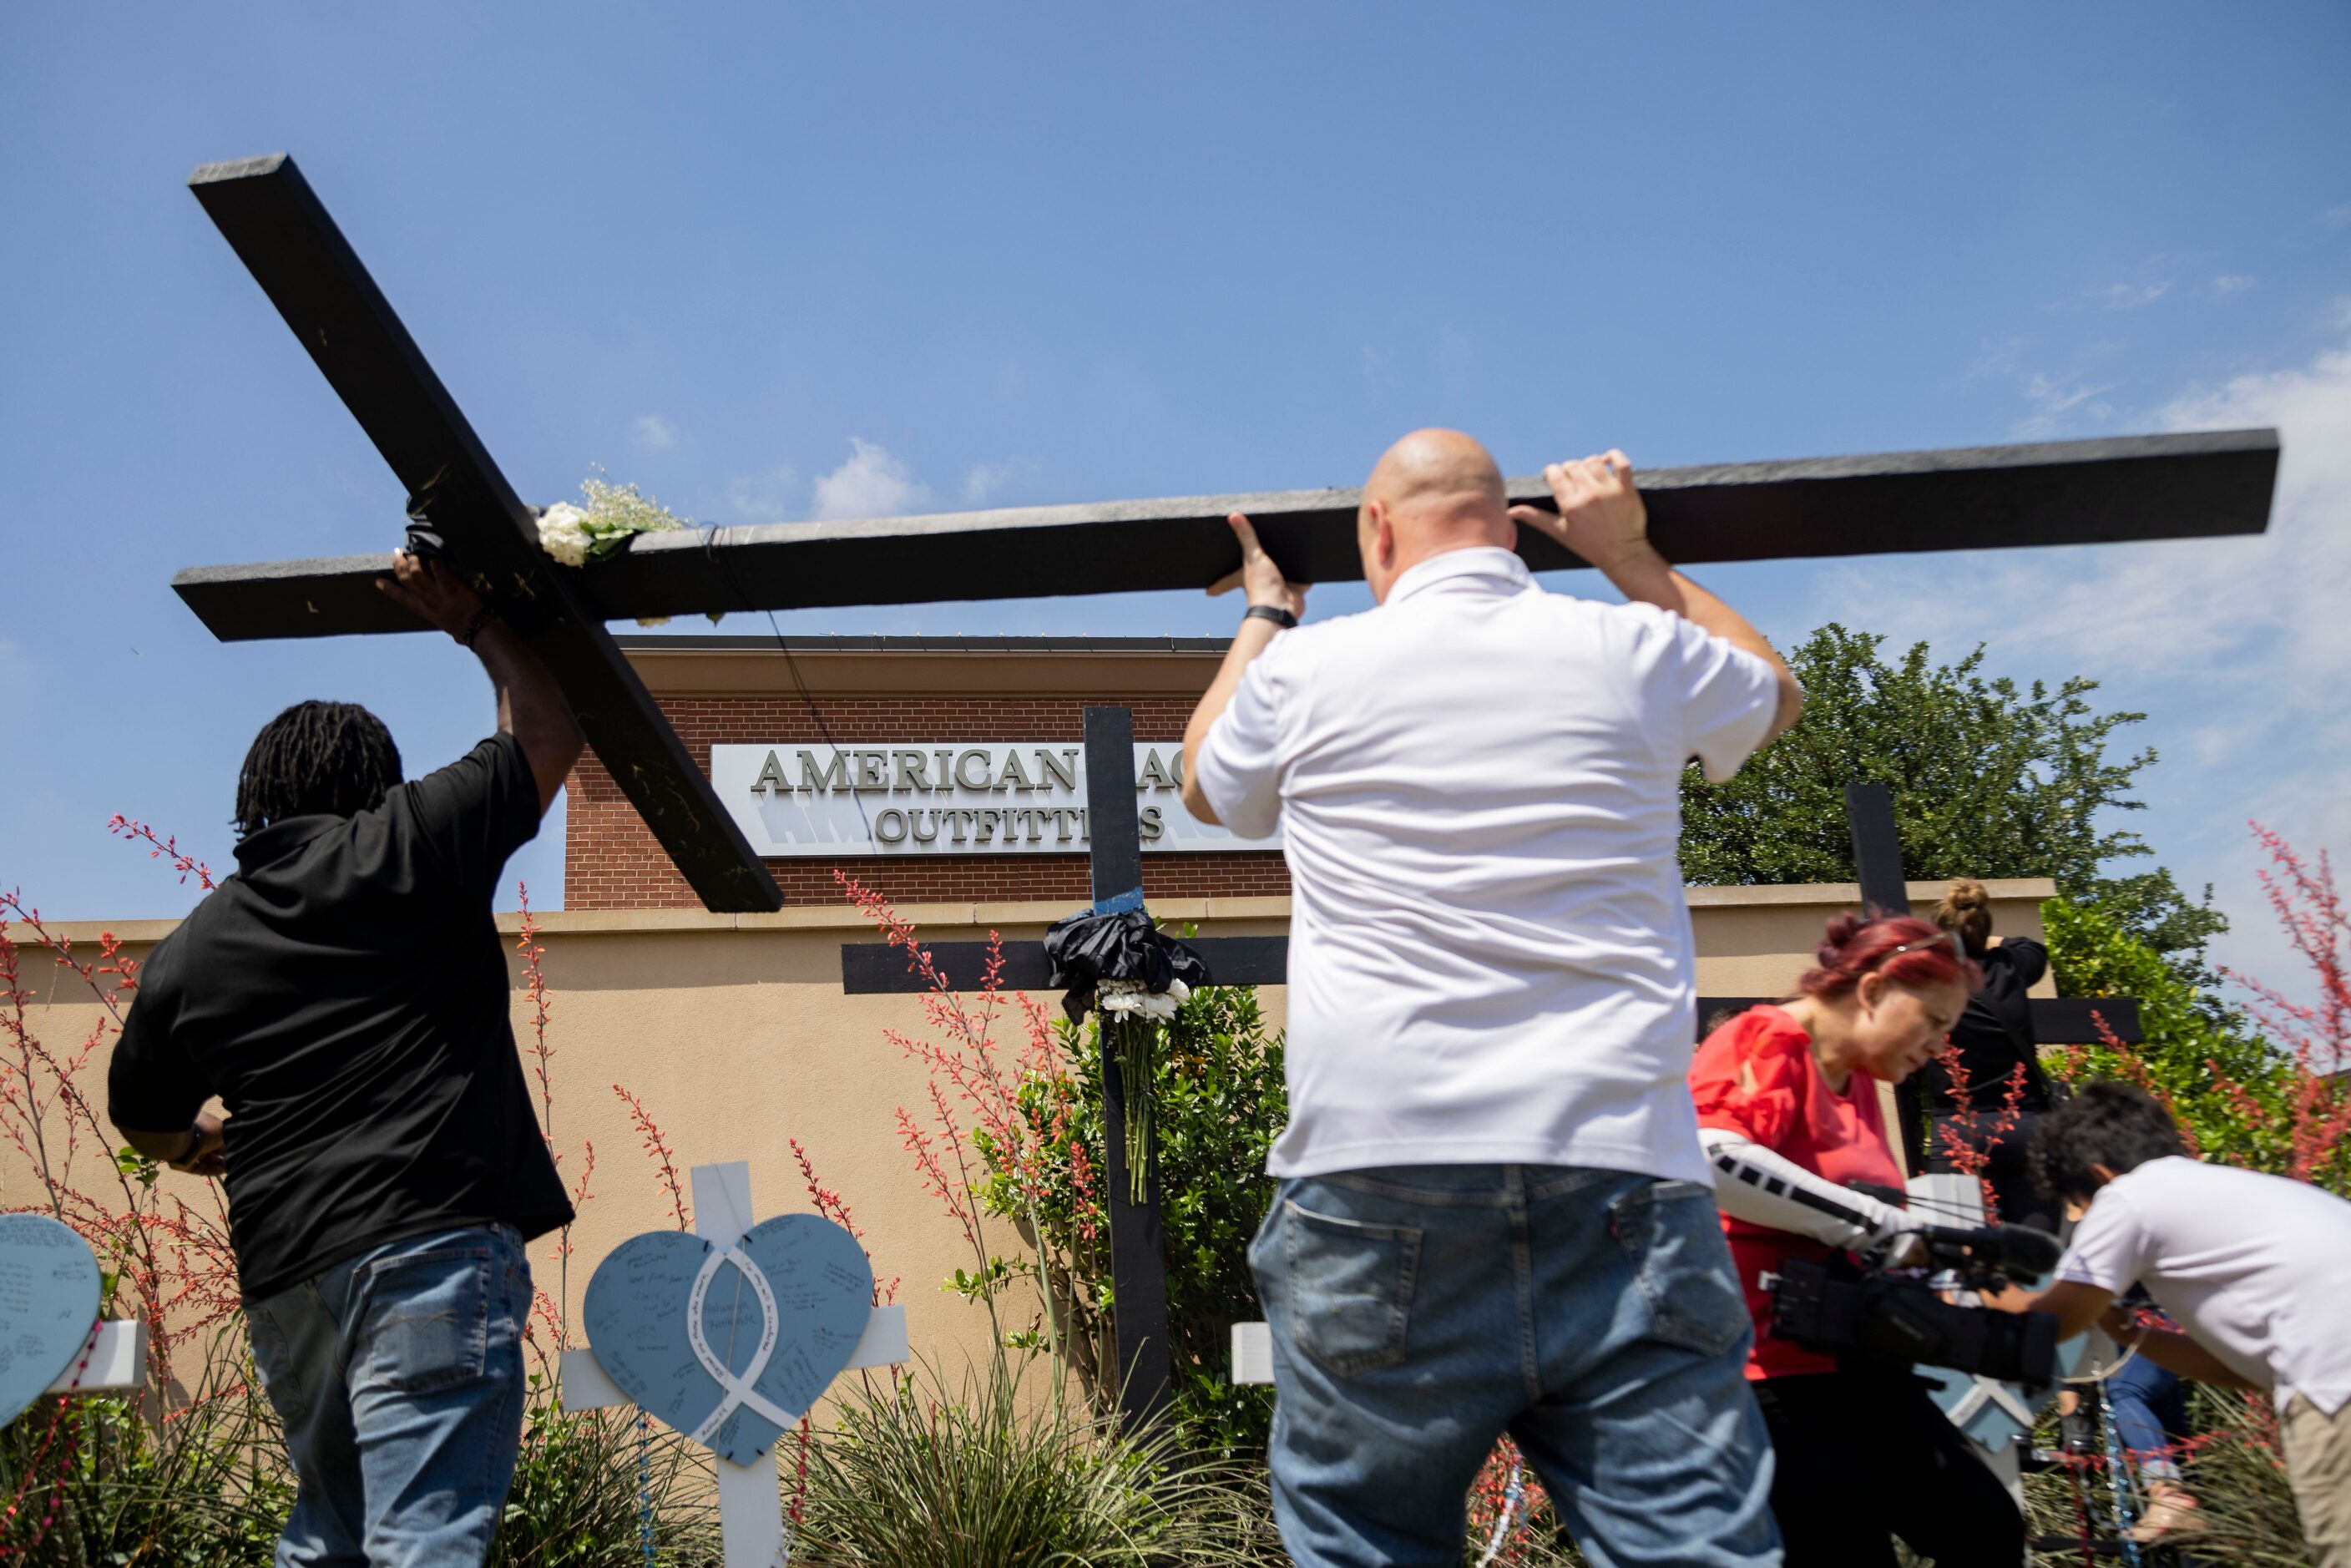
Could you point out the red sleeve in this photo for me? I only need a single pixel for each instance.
(1751, 1074)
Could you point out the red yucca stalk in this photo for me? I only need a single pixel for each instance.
(185, 865)
(657, 1147)
(553, 1310)
(967, 1059)
(2317, 1112)
(1968, 1138)
(174, 1258)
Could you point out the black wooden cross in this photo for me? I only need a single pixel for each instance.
(1138, 1265)
(2137, 488)
(1138, 1259)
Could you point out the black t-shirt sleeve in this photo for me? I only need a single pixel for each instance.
(476, 812)
(152, 1085)
(2029, 958)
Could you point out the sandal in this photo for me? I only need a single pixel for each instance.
(2171, 1510)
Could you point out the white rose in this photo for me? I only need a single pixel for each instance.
(563, 533)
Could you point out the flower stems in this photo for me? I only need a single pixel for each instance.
(1133, 1037)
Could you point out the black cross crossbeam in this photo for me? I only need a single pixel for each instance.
(878, 968)
(282, 233)
(2046, 493)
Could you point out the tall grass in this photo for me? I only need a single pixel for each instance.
(921, 1473)
(95, 1482)
(581, 1487)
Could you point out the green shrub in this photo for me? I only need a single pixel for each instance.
(923, 1474)
(2241, 1100)
(1219, 1101)
(578, 1486)
(98, 1483)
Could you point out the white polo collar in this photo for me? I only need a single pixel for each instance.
(1503, 569)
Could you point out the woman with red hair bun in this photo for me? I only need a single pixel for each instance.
(1789, 1111)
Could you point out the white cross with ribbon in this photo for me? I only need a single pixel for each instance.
(750, 1508)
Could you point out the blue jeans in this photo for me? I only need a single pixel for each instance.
(2150, 1415)
(398, 1377)
(1419, 1312)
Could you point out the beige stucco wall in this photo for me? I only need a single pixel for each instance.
(734, 1033)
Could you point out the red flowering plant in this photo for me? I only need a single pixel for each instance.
(2264, 1086)
(1967, 1138)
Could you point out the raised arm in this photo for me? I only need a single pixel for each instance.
(531, 707)
(1604, 520)
(1264, 584)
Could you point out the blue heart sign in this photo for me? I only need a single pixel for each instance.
(48, 1305)
(730, 1345)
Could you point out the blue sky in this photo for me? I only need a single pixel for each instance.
(774, 262)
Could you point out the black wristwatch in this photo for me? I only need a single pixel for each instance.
(1273, 612)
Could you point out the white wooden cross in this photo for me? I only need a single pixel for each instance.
(750, 1508)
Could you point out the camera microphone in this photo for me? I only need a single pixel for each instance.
(2012, 1248)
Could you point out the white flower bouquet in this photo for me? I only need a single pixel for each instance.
(614, 515)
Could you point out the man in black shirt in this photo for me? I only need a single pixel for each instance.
(345, 995)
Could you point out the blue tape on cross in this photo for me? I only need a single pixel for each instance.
(1120, 902)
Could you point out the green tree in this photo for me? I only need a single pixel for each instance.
(1989, 778)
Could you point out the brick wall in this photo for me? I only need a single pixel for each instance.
(611, 861)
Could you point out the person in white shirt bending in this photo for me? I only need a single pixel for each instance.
(2255, 1268)
(1494, 1213)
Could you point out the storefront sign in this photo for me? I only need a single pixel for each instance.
(912, 800)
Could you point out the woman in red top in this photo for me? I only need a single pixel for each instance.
(1788, 1110)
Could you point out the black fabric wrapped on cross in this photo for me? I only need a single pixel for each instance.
(1088, 948)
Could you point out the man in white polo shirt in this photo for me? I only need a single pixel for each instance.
(1494, 1213)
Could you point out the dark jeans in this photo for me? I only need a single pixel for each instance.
(398, 1377)
(1866, 1456)
(2150, 1415)
(1419, 1312)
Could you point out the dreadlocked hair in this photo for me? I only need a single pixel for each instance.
(330, 759)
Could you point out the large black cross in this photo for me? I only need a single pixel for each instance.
(2136, 487)
(1138, 1260)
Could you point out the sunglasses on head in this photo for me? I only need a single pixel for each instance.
(1945, 938)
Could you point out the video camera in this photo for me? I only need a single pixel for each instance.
(1844, 1309)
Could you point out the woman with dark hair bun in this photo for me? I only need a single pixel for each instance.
(1965, 1091)
(1788, 1109)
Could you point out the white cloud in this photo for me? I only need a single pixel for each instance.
(2240, 648)
(2337, 217)
(985, 479)
(652, 432)
(2057, 397)
(2233, 283)
(871, 484)
(2130, 296)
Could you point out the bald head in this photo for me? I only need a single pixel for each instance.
(1437, 473)
(1435, 490)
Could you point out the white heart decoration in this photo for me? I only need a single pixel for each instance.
(48, 1304)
